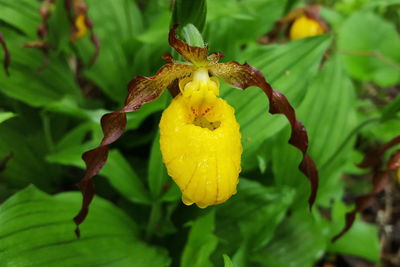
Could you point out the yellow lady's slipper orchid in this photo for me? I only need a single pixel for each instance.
(200, 142)
(199, 135)
(304, 27)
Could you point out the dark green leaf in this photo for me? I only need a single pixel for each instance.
(115, 21)
(201, 242)
(299, 241)
(190, 12)
(37, 229)
(124, 179)
(392, 109)
(157, 173)
(367, 245)
(22, 14)
(370, 56)
(227, 261)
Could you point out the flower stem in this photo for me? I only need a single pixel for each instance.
(47, 131)
(154, 218)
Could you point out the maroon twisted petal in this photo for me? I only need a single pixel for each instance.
(244, 76)
(141, 90)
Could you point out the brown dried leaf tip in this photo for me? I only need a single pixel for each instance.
(7, 55)
(380, 179)
(142, 90)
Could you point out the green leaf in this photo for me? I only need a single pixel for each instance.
(31, 86)
(22, 14)
(299, 241)
(248, 221)
(227, 261)
(192, 36)
(37, 229)
(27, 144)
(118, 171)
(6, 116)
(69, 150)
(157, 173)
(370, 56)
(124, 179)
(160, 184)
(283, 66)
(201, 242)
(232, 24)
(391, 110)
(115, 21)
(255, 212)
(361, 240)
(189, 12)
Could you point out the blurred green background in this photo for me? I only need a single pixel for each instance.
(344, 85)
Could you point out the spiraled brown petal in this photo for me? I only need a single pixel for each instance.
(243, 76)
(380, 180)
(196, 55)
(141, 90)
(373, 160)
(7, 55)
(167, 57)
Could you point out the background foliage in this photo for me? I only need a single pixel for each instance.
(340, 84)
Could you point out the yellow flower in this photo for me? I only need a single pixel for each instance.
(80, 27)
(199, 135)
(305, 27)
(200, 142)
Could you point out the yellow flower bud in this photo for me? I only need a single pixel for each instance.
(81, 28)
(398, 175)
(305, 27)
(200, 142)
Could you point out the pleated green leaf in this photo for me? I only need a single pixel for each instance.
(115, 22)
(201, 242)
(22, 14)
(37, 230)
(370, 56)
(299, 241)
(28, 82)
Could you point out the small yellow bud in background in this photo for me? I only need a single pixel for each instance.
(398, 175)
(305, 27)
(200, 142)
(81, 28)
